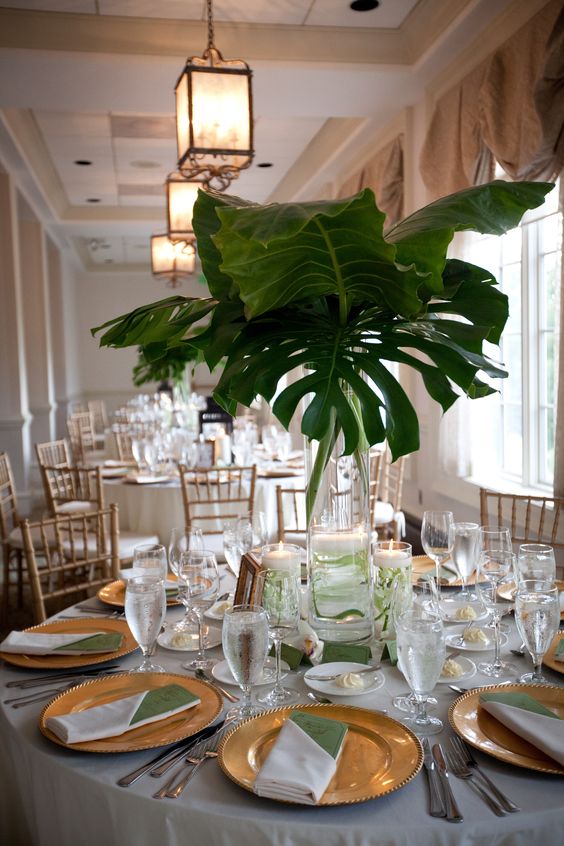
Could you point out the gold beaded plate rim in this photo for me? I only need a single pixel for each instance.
(482, 731)
(114, 594)
(549, 659)
(88, 625)
(161, 733)
(394, 747)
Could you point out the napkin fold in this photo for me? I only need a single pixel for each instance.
(528, 718)
(559, 652)
(77, 643)
(358, 653)
(303, 759)
(121, 715)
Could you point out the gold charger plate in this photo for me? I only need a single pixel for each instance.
(549, 659)
(114, 594)
(482, 730)
(422, 565)
(379, 755)
(507, 592)
(86, 625)
(161, 733)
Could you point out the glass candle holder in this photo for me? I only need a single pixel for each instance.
(391, 562)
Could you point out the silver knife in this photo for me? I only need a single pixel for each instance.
(452, 812)
(436, 804)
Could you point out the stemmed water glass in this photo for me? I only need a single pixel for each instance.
(424, 602)
(421, 655)
(536, 561)
(492, 539)
(200, 579)
(182, 541)
(493, 570)
(465, 552)
(280, 590)
(537, 614)
(245, 645)
(437, 537)
(145, 608)
(149, 559)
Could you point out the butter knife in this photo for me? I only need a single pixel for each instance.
(452, 812)
(436, 804)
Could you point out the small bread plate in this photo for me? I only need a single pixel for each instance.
(468, 670)
(550, 658)
(114, 594)
(379, 754)
(452, 608)
(371, 681)
(222, 673)
(160, 733)
(212, 637)
(453, 641)
(88, 625)
(481, 730)
(217, 610)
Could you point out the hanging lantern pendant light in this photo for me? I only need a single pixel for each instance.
(171, 260)
(214, 116)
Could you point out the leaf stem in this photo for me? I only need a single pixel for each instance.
(343, 306)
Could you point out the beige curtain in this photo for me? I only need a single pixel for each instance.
(559, 427)
(384, 173)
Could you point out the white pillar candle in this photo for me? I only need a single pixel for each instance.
(338, 543)
(282, 556)
(392, 558)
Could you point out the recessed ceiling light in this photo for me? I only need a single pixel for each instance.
(92, 199)
(264, 164)
(364, 5)
(143, 164)
(82, 162)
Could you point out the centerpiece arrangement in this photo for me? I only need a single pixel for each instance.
(320, 286)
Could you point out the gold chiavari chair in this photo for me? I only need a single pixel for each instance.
(386, 498)
(291, 513)
(82, 436)
(53, 453)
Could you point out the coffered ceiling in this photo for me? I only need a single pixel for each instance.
(92, 81)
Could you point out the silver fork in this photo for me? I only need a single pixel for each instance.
(469, 761)
(458, 769)
(21, 701)
(198, 756)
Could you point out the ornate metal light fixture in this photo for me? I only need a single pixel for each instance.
(181, 195)
(172, 260)
(214, 116)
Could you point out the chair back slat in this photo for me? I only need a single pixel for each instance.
(291, 513)
(211, 496)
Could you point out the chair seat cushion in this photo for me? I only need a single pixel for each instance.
(383, 513)
(15, 538)
(127, 543)
(74, 506)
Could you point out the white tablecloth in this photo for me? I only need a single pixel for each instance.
(54, 797)
(158, 508)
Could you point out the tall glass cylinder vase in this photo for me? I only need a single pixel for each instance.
(339, 575)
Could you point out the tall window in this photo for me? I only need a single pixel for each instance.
(513, 431)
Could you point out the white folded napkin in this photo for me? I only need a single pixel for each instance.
(32, 643)
(528, 718)
(121, 715)
(298, 768)
(559, 653)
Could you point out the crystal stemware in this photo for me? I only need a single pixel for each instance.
(465, 552)
(182, 541)
(536, 561)
(437, 537)
(198, 572)
(145, 608)
(421, 655)
(537, 615)
(494, 569)
(424, 602)
(280, 591)
(245, 645)
(149, 559)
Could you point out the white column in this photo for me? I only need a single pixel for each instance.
(59, 332)
(14, 412)
(37, 322)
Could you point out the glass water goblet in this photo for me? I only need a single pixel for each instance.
(493, 538)
(145, 608)
(494, 569)
(232, 546)
(465, 552)
(280, 591)
(425, 603)
(245, 646)
(437, 538)
(199, 574)
(150, 559)
(535, 561)
(421, 655)
(182, 541)
(537, 615)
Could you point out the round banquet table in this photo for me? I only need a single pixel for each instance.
(157, 508)
(52, 796)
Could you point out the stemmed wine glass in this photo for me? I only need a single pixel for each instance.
(145, 608)
(281, 601)
(494, 569)
(465, 556)
(182, 541)
(200, 578)
(537, 614)
(245, 645)
(437, 537)
(421, 655)
(492, 539)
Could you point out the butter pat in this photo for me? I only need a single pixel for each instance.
(350, 680)
(181, 639)
(475, 636)
(465, 613)
(452, 669)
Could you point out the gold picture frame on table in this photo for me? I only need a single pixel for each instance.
(247, 589)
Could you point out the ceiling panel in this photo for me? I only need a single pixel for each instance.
(389, 14)
(177, 9)
(81, 6)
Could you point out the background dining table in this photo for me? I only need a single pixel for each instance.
(52, 796)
